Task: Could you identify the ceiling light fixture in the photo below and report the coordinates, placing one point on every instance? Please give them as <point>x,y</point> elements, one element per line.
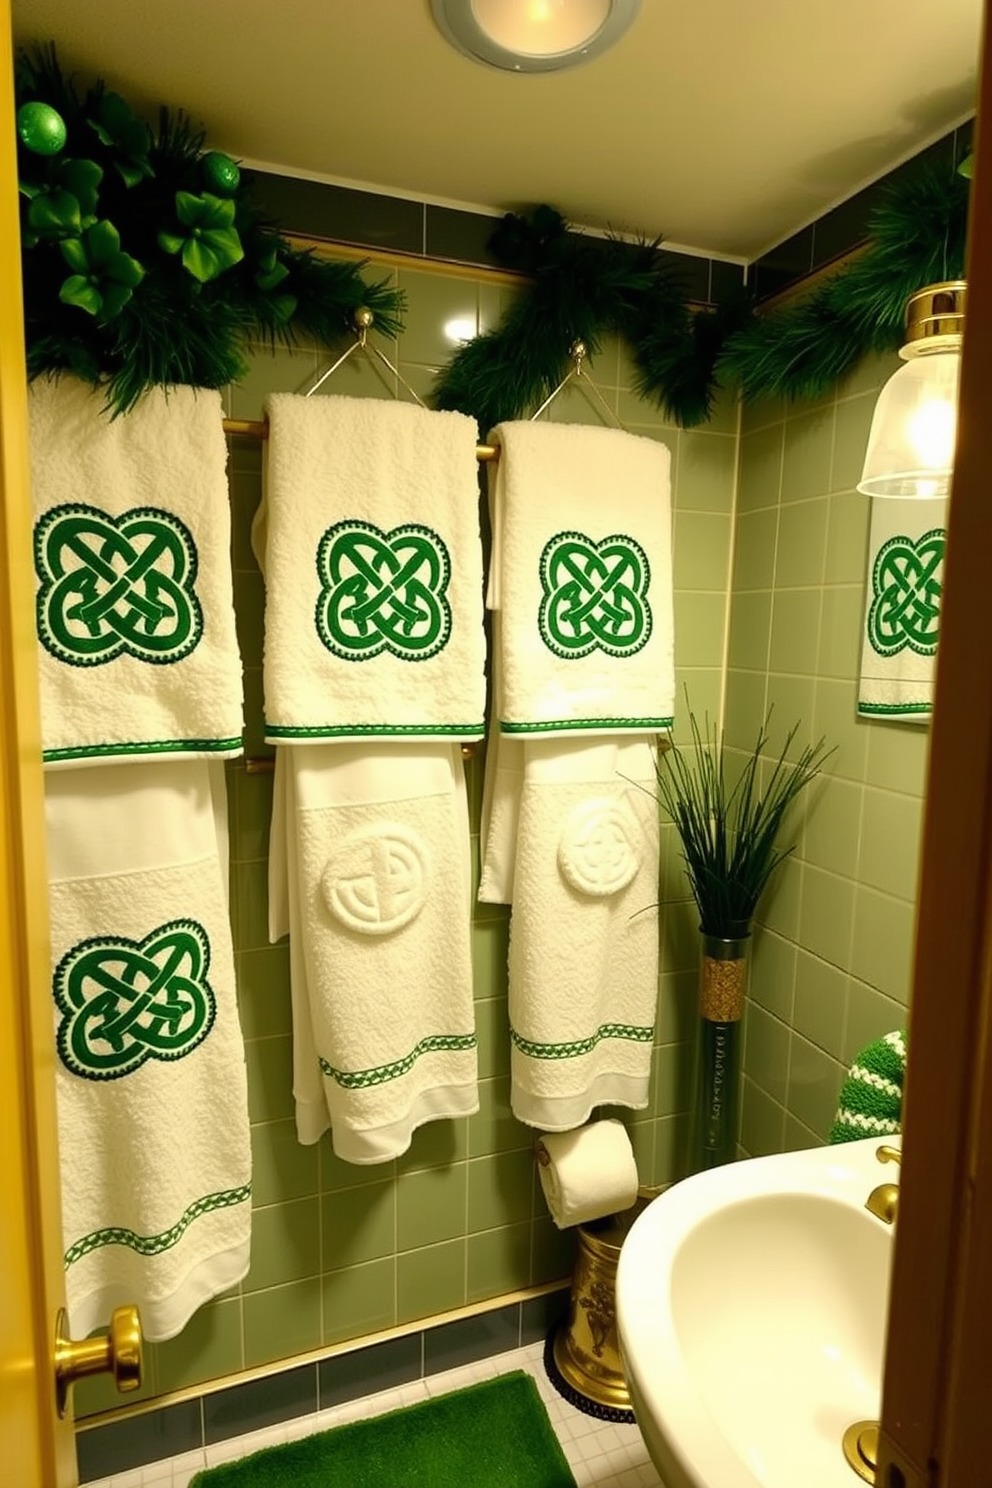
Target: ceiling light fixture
<point>533,35</point>
<point>914,428</point>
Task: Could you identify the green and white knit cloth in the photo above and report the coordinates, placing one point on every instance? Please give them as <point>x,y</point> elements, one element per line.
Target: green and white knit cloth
<point>870,1103</point>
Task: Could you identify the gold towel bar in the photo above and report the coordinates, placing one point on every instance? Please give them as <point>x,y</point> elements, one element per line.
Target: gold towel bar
<point>259,429</point>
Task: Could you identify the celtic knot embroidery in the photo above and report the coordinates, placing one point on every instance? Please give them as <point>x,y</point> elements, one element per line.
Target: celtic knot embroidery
<point>125,1001</point>
<point>907,580</point>
<point>595,595</point>
<point>383,591</point>
<point>113,585</point>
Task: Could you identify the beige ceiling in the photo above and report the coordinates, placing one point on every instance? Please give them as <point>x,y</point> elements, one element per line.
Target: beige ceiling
<point>722,124</point>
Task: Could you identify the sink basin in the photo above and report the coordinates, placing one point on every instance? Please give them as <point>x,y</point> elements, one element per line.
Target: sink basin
<point>751,1306</point>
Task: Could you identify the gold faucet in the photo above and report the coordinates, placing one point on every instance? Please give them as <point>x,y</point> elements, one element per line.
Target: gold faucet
<point>883,1200</point>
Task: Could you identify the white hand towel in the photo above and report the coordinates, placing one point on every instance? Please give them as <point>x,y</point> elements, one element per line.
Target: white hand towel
<point>582,577</point>
<point>138,654</point>
<point>902,609</point>
<point>150,1077</point>
<point>368,537</point>
<point>583,963</point>
<point>587,1173</point>
<point>376,852</point>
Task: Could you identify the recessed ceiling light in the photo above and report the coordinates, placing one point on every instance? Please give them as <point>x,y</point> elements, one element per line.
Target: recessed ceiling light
<point>533,35</point>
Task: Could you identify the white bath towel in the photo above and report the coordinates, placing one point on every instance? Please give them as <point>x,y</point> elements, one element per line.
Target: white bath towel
<point>902,609</point>
<point>138,651</point>
<point>582,577</point>
<point>150,1075</point>
<point>372,843</point>
<point>368,537</point>
<point>583,963</point>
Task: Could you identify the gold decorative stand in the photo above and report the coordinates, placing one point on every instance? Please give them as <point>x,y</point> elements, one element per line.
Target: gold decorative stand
<point>583,1354</point>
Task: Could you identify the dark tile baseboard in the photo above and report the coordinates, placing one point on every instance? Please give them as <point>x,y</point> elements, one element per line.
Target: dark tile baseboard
<point>171,1430</point>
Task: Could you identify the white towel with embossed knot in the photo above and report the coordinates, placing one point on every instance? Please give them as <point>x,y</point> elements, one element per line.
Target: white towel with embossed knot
<point>368,537</point>
<point>150,1073</point>
<point>369,873</point>
<point>138,654</point>
<point>583,964</point>
<point>901,624</point>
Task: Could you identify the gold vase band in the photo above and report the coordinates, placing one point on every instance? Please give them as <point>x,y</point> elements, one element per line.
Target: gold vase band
<point>721,989</point>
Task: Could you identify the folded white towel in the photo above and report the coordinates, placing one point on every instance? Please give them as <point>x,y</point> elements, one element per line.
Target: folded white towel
<point>902,609</point>
<point>583,964</point>
<point>150,1079</point>
<point>139,654</point>
<point>373,841</point>
<point>587,1173</point>
<point>582,577</point>
<point>368,537</point>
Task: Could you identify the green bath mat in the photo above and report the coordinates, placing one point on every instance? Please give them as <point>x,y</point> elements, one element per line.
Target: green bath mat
<point>492,1435</point>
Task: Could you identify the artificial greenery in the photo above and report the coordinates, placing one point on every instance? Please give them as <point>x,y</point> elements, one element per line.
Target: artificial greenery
<point>144,260</point>
<point>582,288</point>
<point>145,264</point>
<point>585,287</point>
<point>916,237</point>
<point>729,832</point>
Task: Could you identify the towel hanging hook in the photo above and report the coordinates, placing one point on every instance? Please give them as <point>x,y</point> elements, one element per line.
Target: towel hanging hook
<point>364,320</point>
<point>578,352</point>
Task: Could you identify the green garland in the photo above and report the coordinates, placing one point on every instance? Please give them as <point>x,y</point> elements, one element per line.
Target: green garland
<point>582,287</point>
<point>144,262</point>
<point>916,237</point>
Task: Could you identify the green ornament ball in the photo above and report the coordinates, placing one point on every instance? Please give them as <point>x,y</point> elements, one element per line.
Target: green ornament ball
<point>41,128</point>
<point>220,173</point>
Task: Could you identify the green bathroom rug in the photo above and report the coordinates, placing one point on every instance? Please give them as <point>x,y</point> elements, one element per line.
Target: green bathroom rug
<point>492,1435</point>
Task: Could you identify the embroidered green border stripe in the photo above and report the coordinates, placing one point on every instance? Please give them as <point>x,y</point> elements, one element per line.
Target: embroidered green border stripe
<point>360,1079</point>
<point>884,708</point>
<point>142,746</point>
<point>573,1050</point>
<point>275,731</point>
<point>560,725</point>
<point>149,1245</point>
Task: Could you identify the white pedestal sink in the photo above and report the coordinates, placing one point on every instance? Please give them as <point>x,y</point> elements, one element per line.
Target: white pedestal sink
<point>751,1307</point>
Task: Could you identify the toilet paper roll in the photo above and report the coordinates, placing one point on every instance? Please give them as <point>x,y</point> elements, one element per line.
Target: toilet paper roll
<point>588,1172</point>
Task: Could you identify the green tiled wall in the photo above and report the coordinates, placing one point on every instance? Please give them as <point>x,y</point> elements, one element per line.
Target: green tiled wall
<point>340,1252</point>
<point>832,958</point>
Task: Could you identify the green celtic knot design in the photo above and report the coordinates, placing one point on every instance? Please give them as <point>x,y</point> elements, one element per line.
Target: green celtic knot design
<point>125,1001</point>
<point>595,595</point>
<point>907,580</point>
<point>383,591</point>
<point>634,1032</point>
<point>113,585</point>
<point>150,1245</point>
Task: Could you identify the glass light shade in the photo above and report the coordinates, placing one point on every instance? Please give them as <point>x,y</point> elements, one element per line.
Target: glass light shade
<point>911,445</point>
<point>533,35</point>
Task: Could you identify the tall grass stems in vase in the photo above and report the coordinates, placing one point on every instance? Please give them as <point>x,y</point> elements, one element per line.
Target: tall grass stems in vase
<point>730,824</point>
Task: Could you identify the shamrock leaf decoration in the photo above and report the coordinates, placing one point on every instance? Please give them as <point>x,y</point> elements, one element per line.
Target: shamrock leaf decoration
<point>211,243</point>
<point>124,133</point>
<point>65,206</point>
<point>269,275</point>
<point>104,278</point>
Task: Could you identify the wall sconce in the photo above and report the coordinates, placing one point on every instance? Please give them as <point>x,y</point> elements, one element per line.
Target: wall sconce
<point>533,35</point>
<point>910,451</point>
